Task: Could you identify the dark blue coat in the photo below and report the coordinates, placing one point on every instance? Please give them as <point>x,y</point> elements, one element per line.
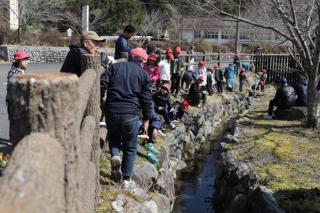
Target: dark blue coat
<point>72,63</point>
<point>128,89</point>
<point>121,46</point>
<point>301,90</point>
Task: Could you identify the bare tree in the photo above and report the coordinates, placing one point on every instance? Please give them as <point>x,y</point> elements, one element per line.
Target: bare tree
<point>35,11</point>
<point>296,21</point>
<point>153,21</point>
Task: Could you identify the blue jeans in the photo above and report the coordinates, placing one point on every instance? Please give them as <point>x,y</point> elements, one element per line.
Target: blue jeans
<point>122,135</point>
<point>165,113</point>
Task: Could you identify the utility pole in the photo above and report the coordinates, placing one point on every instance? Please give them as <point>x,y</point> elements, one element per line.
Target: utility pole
<point>237,33</point>
<point>85,18</point>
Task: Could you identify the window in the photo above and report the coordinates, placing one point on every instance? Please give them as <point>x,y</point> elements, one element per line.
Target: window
<point>197,34</point>
<point>244,36</point>
<point>225,35</point>
<point>211,35</point>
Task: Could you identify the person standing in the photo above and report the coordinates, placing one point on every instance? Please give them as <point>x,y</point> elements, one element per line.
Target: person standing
<point>202,71</point>
<point>242,78</point>
<point>230,76</point>
<point>218,76</point>
<point>122,47</point>
<point>177,68</point>
<point>19,66</point>
<point>164,65</point>
<point>128,89</point>
<point>89,44</point>
<point>153,70</point>
<point>237,62</point>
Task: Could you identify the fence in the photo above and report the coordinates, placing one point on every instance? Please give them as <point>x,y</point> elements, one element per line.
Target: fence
<point>278,65</point>
<point>54,125</point>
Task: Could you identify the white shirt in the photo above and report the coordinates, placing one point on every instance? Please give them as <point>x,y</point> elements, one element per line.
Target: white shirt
<point>164,70</point>
<point>203,71</point>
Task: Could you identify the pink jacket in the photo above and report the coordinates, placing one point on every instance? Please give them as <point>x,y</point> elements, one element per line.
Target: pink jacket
<point>153,72</point>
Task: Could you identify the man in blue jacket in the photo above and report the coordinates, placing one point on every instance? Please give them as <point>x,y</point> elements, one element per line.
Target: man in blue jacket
<point>122,46</point>
<point>128,89</point>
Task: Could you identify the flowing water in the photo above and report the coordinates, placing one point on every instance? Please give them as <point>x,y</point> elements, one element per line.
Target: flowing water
<point>195,184</point>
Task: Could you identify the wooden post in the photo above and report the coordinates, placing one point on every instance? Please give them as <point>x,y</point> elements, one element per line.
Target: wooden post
<point>48,103</point>
<point>93,109</point>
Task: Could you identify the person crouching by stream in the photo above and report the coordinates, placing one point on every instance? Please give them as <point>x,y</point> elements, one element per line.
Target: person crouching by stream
<point>163,104</point>
<point>285,97</point>
<point>128,89</point>
<point>197,93</point>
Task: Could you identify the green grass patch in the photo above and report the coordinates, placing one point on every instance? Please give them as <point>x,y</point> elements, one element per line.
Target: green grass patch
<point>285,155</point>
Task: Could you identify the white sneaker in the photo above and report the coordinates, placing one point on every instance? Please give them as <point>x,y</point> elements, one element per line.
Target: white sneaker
<point>116,174</point>
<point>128,184</point>
<point>172,126</point>
<point>103,124</point>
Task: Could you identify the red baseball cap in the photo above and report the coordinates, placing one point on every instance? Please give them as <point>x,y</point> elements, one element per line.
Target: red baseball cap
<point>202,63</point>
<point>201,78</point>
<point>153,56</point>
<point>177,49</point>
<point>170,56</point>
<point>18,55</point>
<point>139,52</point>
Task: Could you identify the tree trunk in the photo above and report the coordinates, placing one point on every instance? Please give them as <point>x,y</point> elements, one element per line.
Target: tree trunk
<point>313,103</point>
<point>47,103</point>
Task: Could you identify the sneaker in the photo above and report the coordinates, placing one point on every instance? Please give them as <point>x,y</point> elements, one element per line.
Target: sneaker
<point>151,148</point>
<point>116,174</point>
<point>128,184</point>
<point>152,158</point>
<point>172,126</point>
<point>103,125</point>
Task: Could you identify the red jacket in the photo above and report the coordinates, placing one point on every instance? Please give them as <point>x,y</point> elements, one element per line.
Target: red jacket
<point>153,72</point>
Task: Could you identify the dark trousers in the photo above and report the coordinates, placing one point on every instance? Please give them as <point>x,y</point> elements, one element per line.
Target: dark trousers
<point>210,86</point>
<point>122,135</point>
<point>165,113</point>
<point>220,86</point>
<point>196,98</point>
<point>175,83</point>
<point>241,83</point>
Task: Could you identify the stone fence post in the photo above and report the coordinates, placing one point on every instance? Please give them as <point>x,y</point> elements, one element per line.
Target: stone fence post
<point>47,103</point>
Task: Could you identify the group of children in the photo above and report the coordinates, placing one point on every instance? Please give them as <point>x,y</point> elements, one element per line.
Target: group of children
<point>168,75</point>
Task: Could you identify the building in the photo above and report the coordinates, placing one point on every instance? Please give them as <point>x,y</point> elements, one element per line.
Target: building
<point>216,31</point>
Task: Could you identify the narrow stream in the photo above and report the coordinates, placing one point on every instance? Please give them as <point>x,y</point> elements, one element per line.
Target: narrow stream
<point>195,184</point>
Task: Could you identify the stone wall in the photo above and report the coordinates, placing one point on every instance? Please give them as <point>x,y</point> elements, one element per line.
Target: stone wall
<point>40,54</point>
<point>237,191</point>
<point>179,145</point>
<point>36,54</point>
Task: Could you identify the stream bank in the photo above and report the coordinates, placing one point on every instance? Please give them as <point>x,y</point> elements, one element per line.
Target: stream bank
<point>155,190</point>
